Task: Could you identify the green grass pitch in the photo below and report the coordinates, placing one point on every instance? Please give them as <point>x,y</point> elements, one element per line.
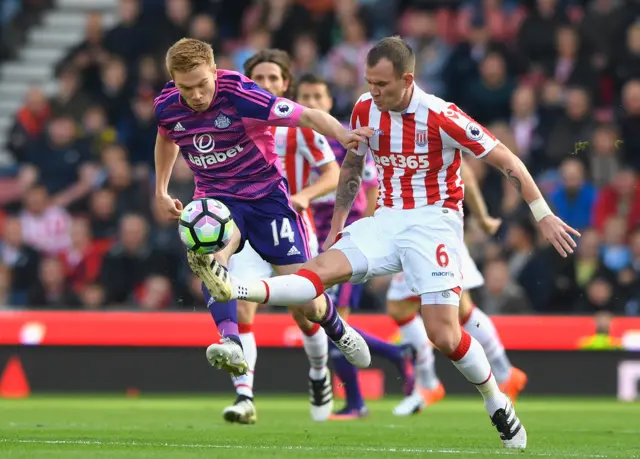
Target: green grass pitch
<point>84,427</point>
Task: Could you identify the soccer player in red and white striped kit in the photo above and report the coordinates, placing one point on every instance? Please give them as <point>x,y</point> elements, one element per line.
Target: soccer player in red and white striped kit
<point>418,142</point>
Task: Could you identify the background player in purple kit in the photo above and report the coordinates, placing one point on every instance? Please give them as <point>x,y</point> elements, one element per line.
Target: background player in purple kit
<point>219,120</point>
<point>314,92</point>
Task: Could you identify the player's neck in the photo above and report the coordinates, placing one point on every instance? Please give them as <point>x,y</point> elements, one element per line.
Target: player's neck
<point>406,101</point>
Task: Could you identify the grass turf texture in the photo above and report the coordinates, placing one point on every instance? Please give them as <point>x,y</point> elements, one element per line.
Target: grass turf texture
<point>189,427</point>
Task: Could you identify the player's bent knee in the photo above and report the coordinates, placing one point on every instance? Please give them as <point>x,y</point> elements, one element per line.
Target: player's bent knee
<point>445,335</point>
<point>298,314</point>
<point>332,267</point>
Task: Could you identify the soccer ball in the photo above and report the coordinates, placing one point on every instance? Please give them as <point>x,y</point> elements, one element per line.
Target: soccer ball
<point>206,226</point>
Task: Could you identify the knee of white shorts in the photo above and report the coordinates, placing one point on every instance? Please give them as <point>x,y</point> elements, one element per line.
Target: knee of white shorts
<point>357,259</point>
<point>444,298</point>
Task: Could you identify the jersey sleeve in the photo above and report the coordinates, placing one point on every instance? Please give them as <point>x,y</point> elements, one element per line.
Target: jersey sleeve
<point>158,106</point>
<point>314,147</point>
<point>463,132</point>
<point>354,123</point>
<point>262,107</point>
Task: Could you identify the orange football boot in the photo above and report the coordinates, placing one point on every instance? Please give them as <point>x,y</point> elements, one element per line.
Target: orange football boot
<point>515,384</point>
<point>434,395</point>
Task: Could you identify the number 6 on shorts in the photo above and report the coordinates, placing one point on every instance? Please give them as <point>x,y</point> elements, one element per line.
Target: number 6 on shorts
<point>442,256</point>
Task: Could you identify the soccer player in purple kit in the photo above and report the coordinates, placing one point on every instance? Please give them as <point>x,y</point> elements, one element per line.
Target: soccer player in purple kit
<point>219,119</point>
<point>314,92</point>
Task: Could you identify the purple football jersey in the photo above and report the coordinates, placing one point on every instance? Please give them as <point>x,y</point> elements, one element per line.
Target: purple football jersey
<point>323,206</point>
<point>228,147</point>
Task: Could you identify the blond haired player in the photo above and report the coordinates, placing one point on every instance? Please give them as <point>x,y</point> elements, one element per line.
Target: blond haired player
<point>403,306</point>
<point>220,121</point>
<point>301,151</point>
<point>417,144</point>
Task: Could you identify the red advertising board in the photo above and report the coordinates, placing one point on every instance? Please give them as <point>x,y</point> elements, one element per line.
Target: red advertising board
<point>57,328</point>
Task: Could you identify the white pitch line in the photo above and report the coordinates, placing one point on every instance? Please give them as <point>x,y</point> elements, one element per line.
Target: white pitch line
<point>354,449</point>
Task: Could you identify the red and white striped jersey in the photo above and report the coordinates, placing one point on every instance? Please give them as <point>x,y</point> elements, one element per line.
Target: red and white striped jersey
<point>301,150</point>
<point>418,151</point>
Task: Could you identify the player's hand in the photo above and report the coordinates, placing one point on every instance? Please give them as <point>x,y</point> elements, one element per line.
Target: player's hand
<point>351,139</point>
<point>168,207</point>
<point>331,239</point>
<point>490,225</point>
<point>300,202</point>
<point>558,233</point>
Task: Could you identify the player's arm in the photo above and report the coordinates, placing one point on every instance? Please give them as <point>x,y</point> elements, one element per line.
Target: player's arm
<point>474,199</point>
<point>316,151</point>
<point>348,188</point>
<point>325,183</point>
<point>370,185</point>
<point>165,154</point>
<point>464,133</point>
<point>328,126</point>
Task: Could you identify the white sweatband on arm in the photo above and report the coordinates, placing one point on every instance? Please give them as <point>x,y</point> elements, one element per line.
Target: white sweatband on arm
<point>540,209</point>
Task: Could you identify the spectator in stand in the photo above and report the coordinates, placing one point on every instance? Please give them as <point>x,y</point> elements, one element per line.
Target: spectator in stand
<point>500,294</point>
<point>598,28</point>
<point>132,196</point>
<point>96,132</point>
<point>89,56</point>
<point>129,39</point>
<point>570,66</point>
<point>305,58</point>
<point>573,200</point>
<point>576,273</point>
<point>114,90</point>
<point>627,66</point>
<point>82,260</point>
<point>257,40</point>
<point>629,278</point>
<point>175,24</point>
<point>149,76</point>
<point>352,50</point>
<point>532,269</point>
<point>50,291</point>
<point>602,155</point>
<point>138,130</point>
<point>62,162</point>
<point>630,124</point>
<point>503,18</point>
<point>102,212</point>
<point>615,252</point>
<point>488,99</point>
<point>131,260</point>
<point>526,127</point>
<point>20,258</point>
<point>600,297</point>
<point>45,226</point>
<point>70,99</point>
<point>29,123</point>
<point>91,297</point>
<point>432,52</point>
<point>203,27</point>
<point>154,294</point>
<point>574,127</point>
<point>181,185</point>
<point>536,37</point>
<point>621,198</point>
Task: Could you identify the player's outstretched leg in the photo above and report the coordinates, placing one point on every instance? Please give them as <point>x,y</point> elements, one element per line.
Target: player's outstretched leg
<point>511,380</point>
<point>226,354</point>
<point>443,328</point>
<point>304,288</point>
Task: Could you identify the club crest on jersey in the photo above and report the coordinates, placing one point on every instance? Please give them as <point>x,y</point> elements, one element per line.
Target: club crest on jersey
<point>474,132</point>
<point>204,143</point>
<point>283,109</point>
<point>222,122</point>
<point>421,137</point>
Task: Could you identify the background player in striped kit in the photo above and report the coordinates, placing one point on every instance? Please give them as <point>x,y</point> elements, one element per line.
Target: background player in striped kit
<point>300,151</point>
<point>404,306</point>
<point>313,92</point>
<point>220,121</point>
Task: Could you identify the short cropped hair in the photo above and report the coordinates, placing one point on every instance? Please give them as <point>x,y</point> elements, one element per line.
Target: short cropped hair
<point>312,78</point>
<point>395,50</point>
<point>187,54</point>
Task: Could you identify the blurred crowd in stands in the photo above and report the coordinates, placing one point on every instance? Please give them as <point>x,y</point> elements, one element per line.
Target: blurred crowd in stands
<point>557,81</point>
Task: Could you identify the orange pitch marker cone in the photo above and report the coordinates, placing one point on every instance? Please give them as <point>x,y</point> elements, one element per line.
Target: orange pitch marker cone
<point>13,382</point>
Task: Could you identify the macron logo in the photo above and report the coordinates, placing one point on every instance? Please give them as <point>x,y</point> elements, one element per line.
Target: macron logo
<point>293,251</point>
<point>178,127</point>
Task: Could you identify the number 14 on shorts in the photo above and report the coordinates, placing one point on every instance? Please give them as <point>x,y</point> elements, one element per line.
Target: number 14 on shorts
<point>284,232</point>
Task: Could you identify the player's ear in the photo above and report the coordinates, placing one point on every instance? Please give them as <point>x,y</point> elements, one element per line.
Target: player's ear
<point>408,78</point>
<point>286,84</point>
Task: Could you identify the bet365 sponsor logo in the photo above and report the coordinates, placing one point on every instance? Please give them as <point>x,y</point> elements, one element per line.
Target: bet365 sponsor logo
<point>402,161</point>
<point>214,158</point>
